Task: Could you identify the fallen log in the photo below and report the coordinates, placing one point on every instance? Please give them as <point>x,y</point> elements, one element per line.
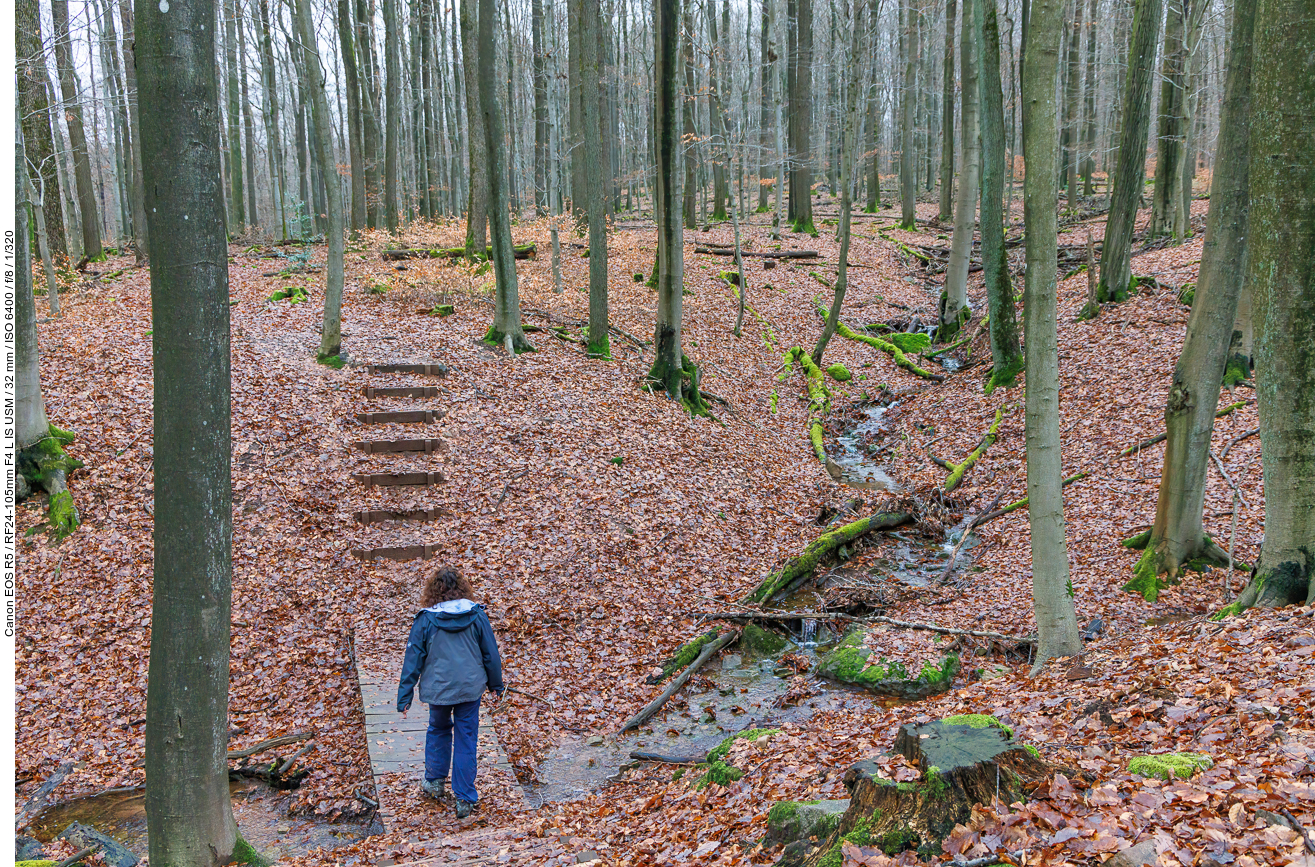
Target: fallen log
<point>280,741</point>
<point>656,704</point>
<point>521,251</point>
<point>37,802</point>
<point>886,346</point>
<point>668,760</point>
<point>957,470</point>
<point>778,616</point>
<point>715,250</point>
<point>801,567</point>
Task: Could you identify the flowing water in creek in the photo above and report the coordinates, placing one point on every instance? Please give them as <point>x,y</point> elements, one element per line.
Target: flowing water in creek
<point>857,468</point>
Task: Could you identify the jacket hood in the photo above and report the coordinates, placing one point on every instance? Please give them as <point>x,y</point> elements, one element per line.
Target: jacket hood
<point>453,615</point>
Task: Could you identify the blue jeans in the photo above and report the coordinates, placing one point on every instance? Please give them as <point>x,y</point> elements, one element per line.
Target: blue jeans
<point>440,754</point>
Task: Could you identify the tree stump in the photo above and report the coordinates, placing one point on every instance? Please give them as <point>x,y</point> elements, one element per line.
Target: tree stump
<point>965,761</point>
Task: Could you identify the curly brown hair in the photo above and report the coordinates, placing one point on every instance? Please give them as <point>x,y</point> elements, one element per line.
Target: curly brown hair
<point>445,585</point>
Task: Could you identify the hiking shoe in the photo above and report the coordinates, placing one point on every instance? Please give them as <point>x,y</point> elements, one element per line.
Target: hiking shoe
<point>436,789</point>
<point>464,808</point>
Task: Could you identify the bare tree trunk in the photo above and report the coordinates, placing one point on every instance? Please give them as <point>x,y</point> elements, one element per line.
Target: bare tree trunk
<point>688,204</point>
<point>43,245</point>
<point>369,113</point>
<point>188,814</point>
<point>1281,274</point>
<point>1056,620</point>
<point>541,205</point>
<point>30,424</point>
<point>907,181</point>
<point>352,84</point>
<point>1089,110</point>
<point>1130,165</point>
<point>716,88</point>
<point>237,209</point>
<point>68,83</point>
<point>947,117</point>
<point>393,107</point>
<point>781,71</point>
<point>277,174</point>
<point>477,214</point>
<point>766,60</point>
<point>954,303</point>
<point>591,104</point>
<point>506,329</point>
<point>1168,161</point>
<point>248,132</point>
<point>35,118</point>
<point>801,116</point>
<point>1006,355</point>
<point>1073,76</point>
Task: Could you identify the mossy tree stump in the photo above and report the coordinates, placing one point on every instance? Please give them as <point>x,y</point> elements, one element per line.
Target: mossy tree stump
<point>963,764</point>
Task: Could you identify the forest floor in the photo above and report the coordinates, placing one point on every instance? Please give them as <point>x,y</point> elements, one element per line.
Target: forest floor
<point>596,519</point>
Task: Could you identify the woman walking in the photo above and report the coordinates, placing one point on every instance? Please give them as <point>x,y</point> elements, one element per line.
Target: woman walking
<point>453,657</point>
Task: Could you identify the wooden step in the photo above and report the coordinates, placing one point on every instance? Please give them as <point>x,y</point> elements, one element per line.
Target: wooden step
<point>392,480</point>
<point>378,447</point>
<point>378,516</point>
<point>422,369</point>
<point>405,416</point>
<point>402,391</point>
<point>410,552</point>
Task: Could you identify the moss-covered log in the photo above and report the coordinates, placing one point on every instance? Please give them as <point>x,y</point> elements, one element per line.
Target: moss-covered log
<point>45,466</point>
<point>1018,504</point>
<point>988,439</point>
<point>522,251</point>
<point>800,568</point>
<point>891,349</point>
<point>684,655</point>
<point>964,763</point>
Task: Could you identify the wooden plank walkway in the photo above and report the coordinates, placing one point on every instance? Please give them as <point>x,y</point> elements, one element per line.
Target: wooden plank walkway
<point>397,744</point>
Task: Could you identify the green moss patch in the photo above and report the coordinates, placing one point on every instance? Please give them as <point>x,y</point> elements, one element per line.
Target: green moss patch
<point>245,853</point>
<point>683,656</point>
<point>716,770</point>
<point>762,641</point>
<point>977,721</point>
<point>911,342</point>
<point>291,294</point>
<point>1170,765</point>
<point>839,372</point>
<point>848,663</point>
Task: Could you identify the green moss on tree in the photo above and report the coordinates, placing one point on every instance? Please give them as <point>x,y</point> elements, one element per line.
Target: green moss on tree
<point>860,835</point>
<point>1146,581</point>
<point>245,853</point>
<point>684,655</point>
<point>63,515</point>
<point>336,360</point>
<point>1170,765</point>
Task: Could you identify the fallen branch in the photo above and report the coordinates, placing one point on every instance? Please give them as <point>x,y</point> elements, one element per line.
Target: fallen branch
<point>801,567</point>
<point>1237,439</point>
<point>957,470</point>
<point>763,254</point>
<point>668,760</point>
<point>1004,510</point>
<point>1159,438</point>
<point>1219,465</point>
<point>777,616</point>
<point>35,803</point>
<point>1300,829</point>
<point>656,704</point>
<point>551,706</point>
<point>78,856</point>
<point>280,741</point>
<point>945,630</point>
<point>521,251</point>
<point>287,766</point>
<point>886,346</point>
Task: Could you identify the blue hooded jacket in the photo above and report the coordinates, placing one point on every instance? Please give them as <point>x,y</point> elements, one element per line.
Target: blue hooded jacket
<point>451,654</point>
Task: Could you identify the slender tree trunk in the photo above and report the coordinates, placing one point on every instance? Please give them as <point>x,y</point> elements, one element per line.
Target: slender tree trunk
<point>1169,154</point>
<point>781,71</point>
<point>237,209</point>
<point>874,152</point>
<point>352,84</point>
<point>849,145</point>
<point>1089,108</point>
<point>1006,355</point>
<point>541,168</point>
<point>277,175</point>
<point>716,88</point>
<point>954,305</point>
<point>1072,90</point>
<point>801,116</point>
<point>688,203</point>
<point>188,815</point>
<point>30,424</point>
<point>1056,620</point>
<point>35,119</point>
<point>477,214</point>
<point>248,131</point>
<point>506,329</point>
<point>393,107</point>
<point>766,60</point>
<point>947,116</point>
<point>1242,345</point>
<point>907,180</point>
<point>1189,415</point>
<point>370,132</point>
<point>43,246</point>
<point>1130,165</point>
<point>68,83</point>
<point>591,104</point>
<point>1281,274</point>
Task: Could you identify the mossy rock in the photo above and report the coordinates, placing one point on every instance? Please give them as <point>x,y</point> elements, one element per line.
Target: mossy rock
<point>848,663</point>
<point>443,310</point>
<point>839,372</point>
<point>762,641</point>
<point>716,770</point>
<point>789,821</point>
<point>910,342</point>
<point>1170,765</point>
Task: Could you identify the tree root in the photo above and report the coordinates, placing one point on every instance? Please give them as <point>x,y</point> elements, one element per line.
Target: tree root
<point>802,567</point>
<point>45,465</point>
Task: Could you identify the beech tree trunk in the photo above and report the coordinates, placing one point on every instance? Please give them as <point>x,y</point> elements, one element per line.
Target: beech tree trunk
<point>945,214</point>
<point>68,85</point>
<point>1169,138</point>
<point>907,182</point>
<point>1189,415</point>
<point>237,209</point>
<point>716,88</point>
<point>1006,355</point>
<point>1073,78</point>
<point>277,174</point>
<point>34,118</point>
<point>1281,274</point>
<point>506,329</point>
<point>591,70</point>
<point>688,203</point>
<point>1089,106</point>
<point>393,109</point>
<point>541,168</point>
<point>1130,164</point>
<point>352,84</point>
<point>188,814</point>
<point>801,115</point>
<point>1056,620</point>
<point>766,55</point>
<point>477,213</point>
<point>248,133</point>
<point>954,304</point>
<point>370,112</point>
<point>30,422</point>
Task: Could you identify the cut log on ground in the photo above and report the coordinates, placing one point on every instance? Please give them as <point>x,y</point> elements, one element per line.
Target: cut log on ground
<point>761,254</point>
<point>656,704</point>
<point>965,761</point>
<point>802,567</point>
<point>522,251</point>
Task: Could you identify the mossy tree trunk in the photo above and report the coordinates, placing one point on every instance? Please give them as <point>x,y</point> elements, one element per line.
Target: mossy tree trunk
<point>849,146</point>
<point>1057,625</point>
<point>331,323</point>
<point>1281,274</point>
<point>954,305</point>
<point>188,813</point>
<point>591,71</point>
<point>1189,415</point>
<point>1006,354</point>
<point>1130,164</point>
<point>506,328</point>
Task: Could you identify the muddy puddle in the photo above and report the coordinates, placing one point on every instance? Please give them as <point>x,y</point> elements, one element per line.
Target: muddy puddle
<point>261,814</point>
<point>736,692</point>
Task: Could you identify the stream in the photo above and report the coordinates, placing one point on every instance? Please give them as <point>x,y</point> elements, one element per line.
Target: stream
<point>857,469</point>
